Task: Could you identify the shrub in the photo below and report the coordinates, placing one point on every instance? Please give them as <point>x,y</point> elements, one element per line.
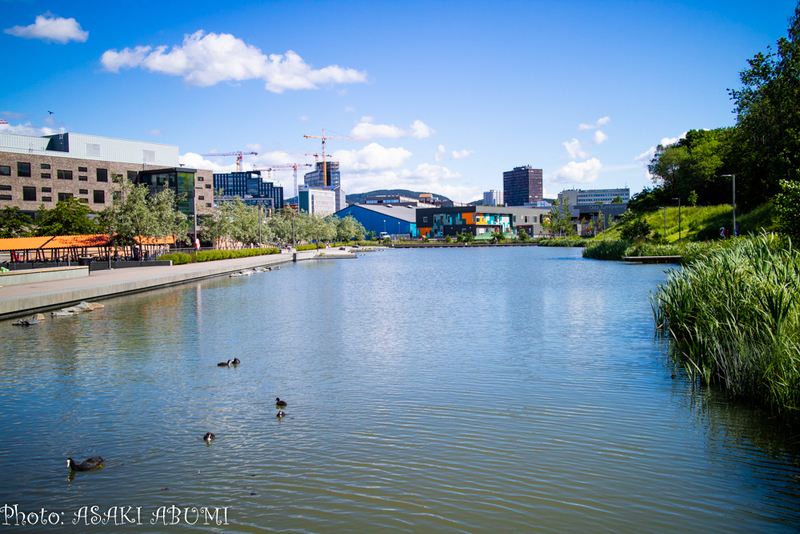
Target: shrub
<point>610,249</point>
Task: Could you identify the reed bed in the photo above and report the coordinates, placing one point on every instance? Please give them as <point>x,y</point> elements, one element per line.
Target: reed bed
<point>734,318</point>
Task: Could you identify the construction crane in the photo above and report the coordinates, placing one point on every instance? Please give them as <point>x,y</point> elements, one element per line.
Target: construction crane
<point>316,158</point>
<point>239,155</point>
<point>324,161</point>
<point>286,167</point>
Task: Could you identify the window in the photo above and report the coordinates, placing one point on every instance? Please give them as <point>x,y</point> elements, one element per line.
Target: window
<point>102,175</point>
<point>23,169</point>
<point>45,165</point>
<point>201,197</point>
<point>83,191</point>
<point>83,178</point>
<point>29,194</point>
<point>5,188</point>
<point>46,175</point>
<point>199,178</point>
<point>83,169</point>
<point>64,175</point>
<point>99,196</point>
<point>5,197</point>
<point>132,176</point>
<point>83,200</point>
<point>46,190</point>
<point>208,204</point>
<point>47,199</point>
<point>5,170</point>
<point>208,186</point>
<point>64,196</point>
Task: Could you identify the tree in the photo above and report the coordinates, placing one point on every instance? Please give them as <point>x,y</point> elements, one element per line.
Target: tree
<point>692,198</point>
<point>318,228</point>
<point>787,207</point>
<point>617,200</point>
<point>135,212</point>
<point>768,118</point>
<point>349,228</point>
<point>280,225</point>
<point>498,237</point>
<point>523,235</point>
<point>68,217</point>
<point>559,221</point>
<point>14,223</point>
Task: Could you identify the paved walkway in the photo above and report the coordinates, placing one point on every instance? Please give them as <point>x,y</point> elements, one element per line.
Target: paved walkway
<point>25,299</point>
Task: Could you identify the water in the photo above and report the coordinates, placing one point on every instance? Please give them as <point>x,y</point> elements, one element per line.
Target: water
<point>449,390</point>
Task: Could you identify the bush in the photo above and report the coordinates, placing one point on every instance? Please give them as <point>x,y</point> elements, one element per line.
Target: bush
<point>178,258</point>
<point>562,242</point>
<point>734,316</point>
<point>610,249</point>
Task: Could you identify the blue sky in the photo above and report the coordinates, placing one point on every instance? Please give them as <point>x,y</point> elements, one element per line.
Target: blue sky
<point>448,94</point>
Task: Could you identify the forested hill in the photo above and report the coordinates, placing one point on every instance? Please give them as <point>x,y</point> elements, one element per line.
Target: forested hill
<point>358,198</point>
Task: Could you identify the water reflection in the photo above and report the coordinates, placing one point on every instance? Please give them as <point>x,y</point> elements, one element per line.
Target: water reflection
<point>456,390</point>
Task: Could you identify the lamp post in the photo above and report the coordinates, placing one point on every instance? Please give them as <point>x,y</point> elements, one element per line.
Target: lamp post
<point>733,176</point>
<point>679,217</point>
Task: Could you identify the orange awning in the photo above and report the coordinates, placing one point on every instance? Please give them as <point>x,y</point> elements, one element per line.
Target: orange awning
<point>24,243</point>
<point>78,241</point>
<point>169,240</point>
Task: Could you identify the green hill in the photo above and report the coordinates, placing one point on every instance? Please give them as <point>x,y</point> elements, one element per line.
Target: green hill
<point>702,223</point>
<point>358,198</point>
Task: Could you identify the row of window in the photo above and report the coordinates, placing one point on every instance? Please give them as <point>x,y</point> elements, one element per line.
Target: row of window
<point>29,194</point>
<point>24,170</point>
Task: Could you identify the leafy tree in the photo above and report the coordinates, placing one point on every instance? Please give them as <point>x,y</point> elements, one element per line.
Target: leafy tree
<point>617,200</point>
<point>634,228</point>
<point>498,237</point>
<point>136,213</point>
<point>280,225</point>
<point>523,235</point>
<point>349,228</point>
<point>768,108</point>
<point>787,207</point>
<point>559,222</point>
<point>68,217</point>
<point>692,198</point>
<point>448,239</point>
<point>317,227</point>
<point>465,237</point>
<point>219,223</point>
<point>14,223</point>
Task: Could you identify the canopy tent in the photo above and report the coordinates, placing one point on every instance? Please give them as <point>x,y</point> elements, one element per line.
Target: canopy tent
<point>68,247</point>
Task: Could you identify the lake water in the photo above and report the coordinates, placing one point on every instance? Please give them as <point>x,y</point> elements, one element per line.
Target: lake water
<point>447,390</point>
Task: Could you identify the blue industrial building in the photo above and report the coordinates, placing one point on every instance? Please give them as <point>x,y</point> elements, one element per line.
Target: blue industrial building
<point>383,218</point>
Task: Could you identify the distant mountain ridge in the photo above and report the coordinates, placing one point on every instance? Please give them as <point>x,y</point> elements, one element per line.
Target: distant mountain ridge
<point>359,198</point>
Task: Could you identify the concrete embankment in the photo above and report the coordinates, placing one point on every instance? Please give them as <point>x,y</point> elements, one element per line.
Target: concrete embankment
<point>25,299</point>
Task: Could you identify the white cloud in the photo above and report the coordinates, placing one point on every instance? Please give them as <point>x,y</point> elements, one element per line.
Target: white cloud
<point>49,28</point>
<point>366,129</point>
<point>599,137</point>
<point>156,132</point>
<point>304,117</point>
<point>600,122</point>
<point>439,156</point>
<point>26,129</point>
<point>370,158</point>
<point>196,161</point>
<point>579,172</point>
<point>208,59</point>
<point>645,157</point>
<point>461,154</point>
<point>574,149</point>
<point>349,109</point>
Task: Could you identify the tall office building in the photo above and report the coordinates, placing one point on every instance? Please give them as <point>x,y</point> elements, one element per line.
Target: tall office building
<point>316,177</point>
<point>250,187</point>
<point>522,186</point>
<point>493,198</point>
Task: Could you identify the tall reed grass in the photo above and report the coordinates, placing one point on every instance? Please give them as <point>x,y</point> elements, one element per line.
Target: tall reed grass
<point>734,318</point>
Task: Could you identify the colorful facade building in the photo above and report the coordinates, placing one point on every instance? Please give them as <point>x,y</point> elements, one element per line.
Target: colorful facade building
<point>479,220</point>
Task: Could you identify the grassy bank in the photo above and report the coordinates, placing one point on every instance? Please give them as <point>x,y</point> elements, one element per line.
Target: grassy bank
<point>616,249</point>
<point>734,318</point>
<point>702,222</point>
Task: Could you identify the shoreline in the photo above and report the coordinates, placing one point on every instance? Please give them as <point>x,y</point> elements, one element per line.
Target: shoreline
<point>37,297</point>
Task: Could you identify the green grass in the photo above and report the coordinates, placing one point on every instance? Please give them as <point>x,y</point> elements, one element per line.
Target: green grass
<point>703,222</point>
<point>562,242</point>
<point>734,318</point>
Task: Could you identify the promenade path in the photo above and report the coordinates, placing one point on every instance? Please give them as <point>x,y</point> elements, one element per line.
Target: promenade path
<point>26,299</point>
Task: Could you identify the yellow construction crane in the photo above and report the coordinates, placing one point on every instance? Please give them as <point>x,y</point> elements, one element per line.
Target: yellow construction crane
<point>324,161</point>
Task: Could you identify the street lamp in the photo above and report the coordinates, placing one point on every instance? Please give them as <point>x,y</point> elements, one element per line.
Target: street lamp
<point>679,217</point>
<point>733,176</point>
